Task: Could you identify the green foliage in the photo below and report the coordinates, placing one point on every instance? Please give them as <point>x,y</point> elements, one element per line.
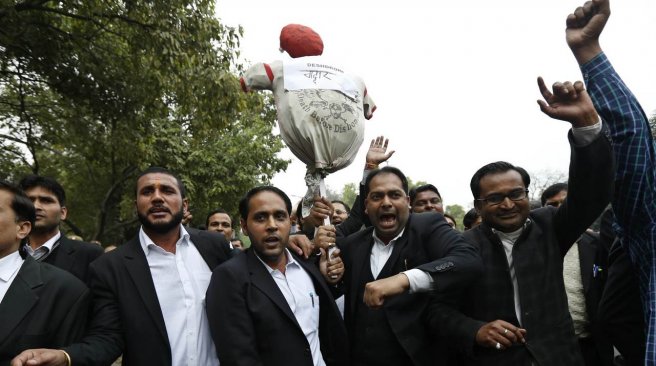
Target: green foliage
<point>349,193</point>
<point>458,213</point>
<point>652,124</point>
<point>92,92</point>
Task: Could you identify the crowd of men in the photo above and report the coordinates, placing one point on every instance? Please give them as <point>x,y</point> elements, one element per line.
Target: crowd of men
<point>389,282</point>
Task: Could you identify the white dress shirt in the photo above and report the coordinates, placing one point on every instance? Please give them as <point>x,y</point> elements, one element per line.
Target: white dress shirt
<point>297,287</point>
<point>9,266</point>
<point>420,281</point>
<point>45,249</point>
<point>181,280</point>
<point>508,240</point>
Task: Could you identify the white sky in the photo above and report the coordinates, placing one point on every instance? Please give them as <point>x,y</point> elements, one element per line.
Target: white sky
<point>454,82</point>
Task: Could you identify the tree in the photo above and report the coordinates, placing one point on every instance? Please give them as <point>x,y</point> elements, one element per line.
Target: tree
<point>349,193</point>
<point>652,124</point>
<point>542,179</point>
<point>92,92</point>
<point>458,213</point>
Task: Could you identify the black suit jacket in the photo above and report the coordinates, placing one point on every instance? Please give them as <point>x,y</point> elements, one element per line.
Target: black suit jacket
<point>45,307</point>
<point>74,256</point>
<point>428,243</point>
<point>252,324</point>
<point>538,262</point>
<point>593,260</point>
<point>126,314</point>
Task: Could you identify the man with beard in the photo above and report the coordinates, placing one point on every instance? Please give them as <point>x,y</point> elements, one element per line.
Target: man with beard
<point>46,243</point>
<point>149,294</point>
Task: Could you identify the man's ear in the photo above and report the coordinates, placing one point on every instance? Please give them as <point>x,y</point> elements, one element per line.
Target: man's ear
<point>185,204</point>
<point>477,206</point>
<point>366,200</point>
<point>244,227</point>
<point>24,228</point>
<point>63,213</point>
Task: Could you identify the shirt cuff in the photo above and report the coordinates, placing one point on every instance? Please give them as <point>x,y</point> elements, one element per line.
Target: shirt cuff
<point>420,281</point>
<point>585,135</point>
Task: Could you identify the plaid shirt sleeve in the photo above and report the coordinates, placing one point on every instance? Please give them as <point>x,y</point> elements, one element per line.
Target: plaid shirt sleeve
<point>634,201</point>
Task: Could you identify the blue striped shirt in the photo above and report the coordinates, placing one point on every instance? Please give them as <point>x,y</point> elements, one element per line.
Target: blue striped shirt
<point>634,200</point>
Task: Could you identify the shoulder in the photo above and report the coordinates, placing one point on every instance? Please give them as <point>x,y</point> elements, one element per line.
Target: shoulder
<point>543,216</point>
<point>82,246</point>
<point>235,264</point>
<point>60,280</point>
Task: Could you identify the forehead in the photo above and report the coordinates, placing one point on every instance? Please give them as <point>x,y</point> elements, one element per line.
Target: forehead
<point>219,216</point>
<point>39,191</point>
<point>426,195</point>
<point>5,200</point>
<point>558,196</point>
<point>339,206</point>
<point>385,182</point>
<point>266,201</point>
<point>501,182</point>
<point>156,179</point>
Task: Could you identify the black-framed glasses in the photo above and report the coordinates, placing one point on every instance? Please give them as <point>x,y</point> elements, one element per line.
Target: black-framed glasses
<point>497,198</point>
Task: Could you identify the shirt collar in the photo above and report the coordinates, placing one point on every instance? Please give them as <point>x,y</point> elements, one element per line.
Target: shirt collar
<point>377,239</point>
<point>147,243</point>
<point>290,261</point>
<point>51,242</point>
<point>9,265</point>
<point>513,235</point>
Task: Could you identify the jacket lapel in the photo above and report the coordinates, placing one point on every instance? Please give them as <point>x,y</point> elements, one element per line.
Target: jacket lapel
<point>586,260</point>
<point>361,253</point>
<point>65,257</point>
<point>387,269</point>
<point>20,297</point>
<point>204,248</point>
<point>261,279</point>
<point>139,270</point>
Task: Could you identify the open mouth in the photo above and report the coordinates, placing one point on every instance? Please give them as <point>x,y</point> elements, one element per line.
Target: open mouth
<point>387,220</point>
<point>271,240</point>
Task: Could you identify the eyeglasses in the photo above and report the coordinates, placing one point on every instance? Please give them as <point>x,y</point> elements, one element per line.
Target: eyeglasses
<point>497,198</point>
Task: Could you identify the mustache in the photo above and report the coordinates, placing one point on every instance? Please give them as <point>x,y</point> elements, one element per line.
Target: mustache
<point>159,209</point>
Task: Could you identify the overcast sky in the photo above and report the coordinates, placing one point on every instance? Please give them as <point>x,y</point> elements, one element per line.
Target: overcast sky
<point>454,82</point>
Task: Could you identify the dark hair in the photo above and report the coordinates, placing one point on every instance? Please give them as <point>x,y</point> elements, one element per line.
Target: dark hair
<point>389,170</point>
<point>48,183</point>
<point>495,168</point>
<point>451,217</point>
<point>157,169</point>
<point>245,201</point>
<point>551,191</point>
<point>21,205</point>
<point>299,212</point>
<point>470,218</point>
<point>426,187</point>
<point>213,212</point>
<point>348,209</point>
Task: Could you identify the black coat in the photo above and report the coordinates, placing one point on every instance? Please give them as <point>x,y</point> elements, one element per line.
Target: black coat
<point>74,256</point>
<point>252,324</point>
<point>126,315</point>
<point>428,243</point>
<point>44,307</point>
<point>538,261</point>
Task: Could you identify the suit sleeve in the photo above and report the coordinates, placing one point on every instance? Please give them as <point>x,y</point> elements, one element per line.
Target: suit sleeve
<point>457,329</point>
<point>590,187</point>
<point>231,325</point>
<point>103,343</point>
<point>455,262</point>
<point>74,324</point>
